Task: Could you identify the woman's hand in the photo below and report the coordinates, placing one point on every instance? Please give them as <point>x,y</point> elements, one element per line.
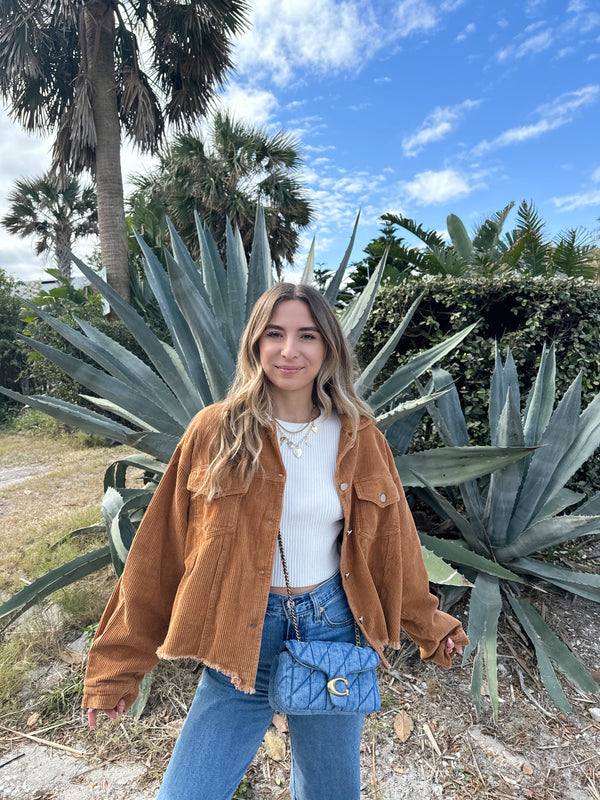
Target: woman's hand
<point>452,648</point>
<point>113,713</point>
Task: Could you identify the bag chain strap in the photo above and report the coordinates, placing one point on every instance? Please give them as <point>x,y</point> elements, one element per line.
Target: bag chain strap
<point>289,594</point>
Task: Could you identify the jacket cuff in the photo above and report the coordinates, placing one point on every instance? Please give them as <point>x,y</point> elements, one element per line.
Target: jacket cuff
<point>439,655</point>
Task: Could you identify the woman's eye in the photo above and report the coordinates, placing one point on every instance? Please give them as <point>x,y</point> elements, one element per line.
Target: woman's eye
<point>273,334</point>
<point>309,336</point>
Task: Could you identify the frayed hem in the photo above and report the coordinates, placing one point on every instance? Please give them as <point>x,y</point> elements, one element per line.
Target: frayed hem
<point>235,678</point>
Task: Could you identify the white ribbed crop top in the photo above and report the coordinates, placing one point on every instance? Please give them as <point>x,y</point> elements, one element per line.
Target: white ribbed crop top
<point>312,515</point>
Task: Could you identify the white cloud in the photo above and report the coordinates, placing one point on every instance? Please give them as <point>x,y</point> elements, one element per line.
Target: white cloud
<point>532,45</point>
<point>596,176</point>
<point>576,7</point>
<point>551,116</point>
<point>435,126</point>
<point>572,201</point>
<point>429,187</point>
<point>321,36</point>
<point>414,15</point>
<point>248,104</point>
<point>467,32</point>
<point>383,80</point>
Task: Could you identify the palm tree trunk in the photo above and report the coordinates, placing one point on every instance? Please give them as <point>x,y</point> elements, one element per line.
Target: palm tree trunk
<point>62,250</point>
<point>99,33</point>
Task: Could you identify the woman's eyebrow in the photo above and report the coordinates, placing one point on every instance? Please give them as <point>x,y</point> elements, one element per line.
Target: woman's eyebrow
<point>281,328</point>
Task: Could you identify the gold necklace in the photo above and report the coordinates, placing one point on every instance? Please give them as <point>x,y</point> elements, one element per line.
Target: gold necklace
<point>295,445</point>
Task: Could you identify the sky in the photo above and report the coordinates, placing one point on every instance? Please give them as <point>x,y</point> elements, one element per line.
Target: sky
<point>418,107</point>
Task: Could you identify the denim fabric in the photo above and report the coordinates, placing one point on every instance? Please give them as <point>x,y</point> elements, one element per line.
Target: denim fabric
<point>224,727</point>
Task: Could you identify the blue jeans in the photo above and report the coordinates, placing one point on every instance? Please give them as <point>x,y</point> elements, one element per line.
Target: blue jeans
<point>225,727</point>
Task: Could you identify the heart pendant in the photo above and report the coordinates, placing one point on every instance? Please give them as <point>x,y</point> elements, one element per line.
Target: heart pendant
<point>297,451</point>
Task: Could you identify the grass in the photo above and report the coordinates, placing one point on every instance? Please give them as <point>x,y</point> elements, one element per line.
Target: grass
<point>59,489</point>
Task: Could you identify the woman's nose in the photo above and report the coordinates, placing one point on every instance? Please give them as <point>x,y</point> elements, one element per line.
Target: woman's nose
<point>288,349</point>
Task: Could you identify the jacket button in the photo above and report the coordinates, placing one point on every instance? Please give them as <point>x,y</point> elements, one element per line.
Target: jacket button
<point>343,486</point>
<point>269,522</point>
<point>349,532</point>
<point>346,575</point>
<point>253,624</point>
<point>383,498</point>
<point>261,572</point>
<point>360,619</point>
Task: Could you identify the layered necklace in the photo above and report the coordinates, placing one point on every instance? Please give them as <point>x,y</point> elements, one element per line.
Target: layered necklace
<point>296,444</point>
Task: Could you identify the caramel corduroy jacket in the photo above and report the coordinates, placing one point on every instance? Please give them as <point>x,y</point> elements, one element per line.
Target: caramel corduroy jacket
<point>197,578</point>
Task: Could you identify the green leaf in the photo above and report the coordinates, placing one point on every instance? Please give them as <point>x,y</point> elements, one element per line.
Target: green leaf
<point>549,648</point>
<point>548,532</point>
<point>121,394</point>
<point>405,374</point>
<point>333,289</point>
<point>116,473</point>
<point>484,610</point>
<point>449,466</point>
<point>260,271</point>
<point>356,313</point>
<point>457,554</point>
<point>540,401</point>
<point>55,579</point>
<point>388,418</point>
<point>147,340</point>
<point>440,572</point>
<point>308,273</point>
<point>461,240</point>
<point>365,382</point>
<point>198,394</point>
<point>237,277</point>
<point>143,694</point>
<point>584,584</point>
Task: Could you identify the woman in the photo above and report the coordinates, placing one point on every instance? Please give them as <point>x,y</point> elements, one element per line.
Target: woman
<point>292,448</point>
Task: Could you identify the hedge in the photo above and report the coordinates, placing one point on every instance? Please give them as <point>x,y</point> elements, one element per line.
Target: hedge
<point>518,312</point>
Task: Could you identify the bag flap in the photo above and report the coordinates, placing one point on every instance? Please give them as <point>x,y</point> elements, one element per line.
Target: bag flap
<point>335,659</point>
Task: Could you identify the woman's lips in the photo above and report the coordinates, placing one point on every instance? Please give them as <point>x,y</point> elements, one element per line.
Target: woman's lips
<point>289,370</point>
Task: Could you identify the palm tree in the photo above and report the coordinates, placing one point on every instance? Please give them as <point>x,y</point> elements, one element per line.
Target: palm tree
<point>523,250</point>
<point>74,69</point>
<point>55,214</point>
<point>223,176</point>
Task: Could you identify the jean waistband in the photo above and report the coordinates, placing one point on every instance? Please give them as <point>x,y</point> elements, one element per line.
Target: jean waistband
<point>307,601</point>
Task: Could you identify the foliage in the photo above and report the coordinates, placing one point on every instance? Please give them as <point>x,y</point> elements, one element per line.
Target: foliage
<point>508,520</point>
<point>224,176</point>
<point>489,253</point>
<point>399,264</point>
<point>76,70</point>
<point>13,354</point>
<point>518,312</point>
<point>56,213</point>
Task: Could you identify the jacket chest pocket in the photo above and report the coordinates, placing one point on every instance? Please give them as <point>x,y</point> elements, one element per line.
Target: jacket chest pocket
<point>376,505</point>
<point>218,516</point>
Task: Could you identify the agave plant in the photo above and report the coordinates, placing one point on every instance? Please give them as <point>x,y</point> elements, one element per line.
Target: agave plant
<point>205,310</point>
<point>510,519</point>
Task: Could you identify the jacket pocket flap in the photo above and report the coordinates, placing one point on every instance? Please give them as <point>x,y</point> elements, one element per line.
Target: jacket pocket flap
<point>197,477</point>
<point>378,489</point>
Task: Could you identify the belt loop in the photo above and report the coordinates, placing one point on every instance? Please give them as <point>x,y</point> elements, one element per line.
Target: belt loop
<point>316,606</point>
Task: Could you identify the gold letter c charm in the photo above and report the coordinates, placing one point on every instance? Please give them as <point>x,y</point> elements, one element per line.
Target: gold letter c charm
<point>331,688</point>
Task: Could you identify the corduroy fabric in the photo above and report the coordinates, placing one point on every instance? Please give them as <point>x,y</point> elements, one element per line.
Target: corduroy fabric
<point>197,578</point>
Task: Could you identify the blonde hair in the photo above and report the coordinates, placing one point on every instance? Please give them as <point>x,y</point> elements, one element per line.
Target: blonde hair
<point>247,409</point>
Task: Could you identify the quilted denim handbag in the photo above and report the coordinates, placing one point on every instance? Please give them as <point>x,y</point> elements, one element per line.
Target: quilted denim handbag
<point>323,677</point>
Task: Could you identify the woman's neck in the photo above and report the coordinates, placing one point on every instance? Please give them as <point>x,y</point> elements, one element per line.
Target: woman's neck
<point>291,410</point>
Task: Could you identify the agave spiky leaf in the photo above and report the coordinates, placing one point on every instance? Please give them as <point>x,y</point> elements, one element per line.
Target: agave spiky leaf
<point>515,515</point>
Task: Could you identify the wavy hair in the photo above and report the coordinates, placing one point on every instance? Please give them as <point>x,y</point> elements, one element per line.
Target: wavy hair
<point>247,410</point>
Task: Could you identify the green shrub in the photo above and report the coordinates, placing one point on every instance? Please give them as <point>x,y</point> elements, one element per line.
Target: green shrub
<point>519,313</point>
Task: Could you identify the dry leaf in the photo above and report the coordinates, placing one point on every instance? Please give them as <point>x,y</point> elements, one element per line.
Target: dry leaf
<point>275,746</point>
<point>70,656</point>
<point>173,728</point>
<point>280,722</point>
<point>33,720</point>
<point>527,769</point>
<point>403,725</point>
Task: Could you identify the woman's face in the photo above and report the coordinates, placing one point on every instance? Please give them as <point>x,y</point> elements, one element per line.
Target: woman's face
<point>291,351</point>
